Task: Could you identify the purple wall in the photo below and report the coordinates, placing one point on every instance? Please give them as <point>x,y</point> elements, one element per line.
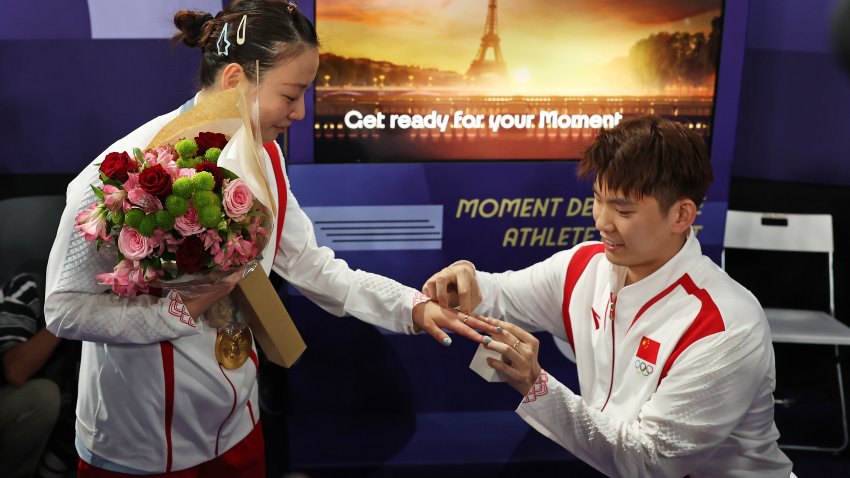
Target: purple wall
<point>793,120</point>
<point>63,96</point>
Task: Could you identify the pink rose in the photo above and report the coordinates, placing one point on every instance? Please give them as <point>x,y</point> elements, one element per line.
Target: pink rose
<point>188,224</point>
<point>133,245</point>
<point>237,199</point>
<point>91,223</point>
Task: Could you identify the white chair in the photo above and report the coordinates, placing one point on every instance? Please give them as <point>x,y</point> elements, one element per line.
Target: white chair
<point>795,233</point>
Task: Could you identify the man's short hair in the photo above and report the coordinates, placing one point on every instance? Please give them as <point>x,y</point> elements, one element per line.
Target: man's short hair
<point>650,156</point>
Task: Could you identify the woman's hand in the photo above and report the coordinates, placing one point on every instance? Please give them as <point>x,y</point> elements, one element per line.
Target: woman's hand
<point>433,318</point>
<point>519,366</point>
<point>200,298</point>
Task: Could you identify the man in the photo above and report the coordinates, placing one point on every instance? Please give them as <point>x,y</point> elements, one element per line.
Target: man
<point>29,406</point>
<point>674,358</point>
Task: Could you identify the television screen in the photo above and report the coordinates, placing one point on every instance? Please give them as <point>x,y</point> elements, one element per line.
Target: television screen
<point>437,80</point>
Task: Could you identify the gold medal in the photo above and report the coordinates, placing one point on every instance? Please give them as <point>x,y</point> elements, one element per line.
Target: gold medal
<point>234,340</point>
<point>233,346</point>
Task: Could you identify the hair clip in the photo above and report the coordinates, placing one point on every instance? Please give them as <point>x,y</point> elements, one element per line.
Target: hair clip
<point>240,30</point>
<point>292,5</point>
<point>222,40</point>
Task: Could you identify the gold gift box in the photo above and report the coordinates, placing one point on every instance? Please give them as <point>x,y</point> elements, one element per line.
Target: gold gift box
<point>270,323</point>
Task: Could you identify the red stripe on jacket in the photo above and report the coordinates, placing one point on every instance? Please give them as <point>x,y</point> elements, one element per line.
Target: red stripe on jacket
<point>575,269</point>
<point>707,322</point>
<point>167,350</point>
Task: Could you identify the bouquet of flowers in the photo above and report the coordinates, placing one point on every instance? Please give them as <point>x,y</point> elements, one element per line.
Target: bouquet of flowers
<point>190,209</point>
<point>171,212</point>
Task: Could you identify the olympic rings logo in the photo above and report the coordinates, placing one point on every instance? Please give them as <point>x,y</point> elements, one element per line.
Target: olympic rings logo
<point>643,368</point>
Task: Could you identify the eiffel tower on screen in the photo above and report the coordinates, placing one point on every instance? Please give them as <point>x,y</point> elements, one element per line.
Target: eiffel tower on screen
<point>481,67</point>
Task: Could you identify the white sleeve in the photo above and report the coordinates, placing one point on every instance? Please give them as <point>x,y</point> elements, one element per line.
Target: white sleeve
<point>707,392</point>
<point>77,307</point>
<point>531,297</point>
<point>330,283</point>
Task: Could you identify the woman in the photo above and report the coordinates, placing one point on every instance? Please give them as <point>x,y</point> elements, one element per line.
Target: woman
<point>153,399</point>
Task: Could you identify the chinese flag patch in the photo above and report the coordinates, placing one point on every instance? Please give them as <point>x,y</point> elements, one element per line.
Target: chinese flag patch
<point>648,350</point>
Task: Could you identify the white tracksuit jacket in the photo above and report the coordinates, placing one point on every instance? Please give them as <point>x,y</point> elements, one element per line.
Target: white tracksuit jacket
<point>152,396</point>
<point>696,400</point>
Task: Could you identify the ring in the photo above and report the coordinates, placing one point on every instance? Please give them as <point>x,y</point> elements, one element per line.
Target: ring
<point>464,320</point>
<point>517,343</point>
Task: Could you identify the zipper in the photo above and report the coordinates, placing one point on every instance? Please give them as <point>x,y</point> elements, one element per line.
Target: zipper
<point>612,311</point>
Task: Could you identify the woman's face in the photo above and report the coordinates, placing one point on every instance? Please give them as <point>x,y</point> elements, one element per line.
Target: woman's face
<point>282,92</point>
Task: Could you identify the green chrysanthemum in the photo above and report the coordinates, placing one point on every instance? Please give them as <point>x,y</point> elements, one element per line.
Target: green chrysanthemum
<point>176,205</point>
<point>147,225</point>
<point>203,181</point>
<point>186,148</point>
<point>212,154</point>
<point>117,217</point>
<point>209,216</point>
<point>164,220</point>
<point>205,198</point>
<point>183,187</point>
<point>133,217</point>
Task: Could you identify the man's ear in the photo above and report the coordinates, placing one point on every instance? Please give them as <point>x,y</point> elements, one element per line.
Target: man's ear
<point>684,212</point>
<point>231,76</point>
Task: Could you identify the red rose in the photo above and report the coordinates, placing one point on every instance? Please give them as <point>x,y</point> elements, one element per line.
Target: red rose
<point>191,255</point>
<point>211,168</point>
<point>208,140</point>
<point>117,165</point>
<point>155,180</point>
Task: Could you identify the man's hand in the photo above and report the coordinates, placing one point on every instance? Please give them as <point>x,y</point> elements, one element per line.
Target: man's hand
<point>432,318</point>
<point>455,286</point>
<point>519,366</point>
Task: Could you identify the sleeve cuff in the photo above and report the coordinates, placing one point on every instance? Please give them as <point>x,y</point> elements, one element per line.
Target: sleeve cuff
<point>418,298</point>
<point>539,389</point>
<point>543,406</point>
<point>174,309</point>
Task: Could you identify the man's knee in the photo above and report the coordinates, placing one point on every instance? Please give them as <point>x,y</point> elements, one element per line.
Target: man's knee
<point>39,402</point>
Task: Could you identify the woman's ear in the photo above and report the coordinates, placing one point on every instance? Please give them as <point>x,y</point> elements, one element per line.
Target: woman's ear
<point>231,76</point>
<point>684,214</point>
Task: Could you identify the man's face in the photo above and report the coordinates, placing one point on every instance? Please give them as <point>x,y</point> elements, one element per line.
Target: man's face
<point>635,233</point>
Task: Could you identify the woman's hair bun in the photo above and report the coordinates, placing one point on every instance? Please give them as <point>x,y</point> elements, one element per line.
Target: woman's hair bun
<point>190,24</point>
